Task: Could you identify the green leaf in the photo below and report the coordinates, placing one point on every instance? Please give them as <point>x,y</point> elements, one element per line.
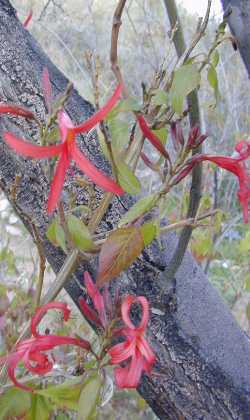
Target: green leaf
<point>56,235</point>
<point>118,252</point>
<point>119,133</point>
<point>244,245</point>
<point>89,397</point>
<point>138,209</point>
<point>215,58</point>
<point>213,80</point>
<point>14,403</point>
<point>40,408</point>
<point>248,311</point>
<point>186,79</point>
<point>126,178</point>
<point>103,145</point>
<point>65,395</point>
<point>79,233</point>
<point>129,104</point>
<point>247,283</point>
<point>162,134</point>
<point>160,97</point>
<point>149,232</point>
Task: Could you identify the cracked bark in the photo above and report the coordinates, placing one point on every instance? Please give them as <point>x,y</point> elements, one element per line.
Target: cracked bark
<point>203,356</point>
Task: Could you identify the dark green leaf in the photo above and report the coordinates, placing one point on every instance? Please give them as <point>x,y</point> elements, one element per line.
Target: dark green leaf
<point>40,408</point>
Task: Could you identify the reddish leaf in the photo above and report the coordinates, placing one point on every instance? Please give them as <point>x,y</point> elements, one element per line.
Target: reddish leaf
<point>17,110</point>
<point>118,252</point>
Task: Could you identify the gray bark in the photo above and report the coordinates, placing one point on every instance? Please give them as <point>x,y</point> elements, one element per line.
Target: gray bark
<point>238,12</point>
<point>203,358</point>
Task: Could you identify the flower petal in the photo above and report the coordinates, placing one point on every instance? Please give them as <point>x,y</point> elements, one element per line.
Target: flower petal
<point>126,307</point>
<point>145,350</point>
<point>96,297</point>
<point>40,312</point>
<point>101,114</point>
<point>93,173</point>
<point>129,377</point>
<point>154,140</point>
<point>58,181</point>
<point>24,148</point>
<point>28,19</point>
<point>88,312</point>
<point>122,351</point>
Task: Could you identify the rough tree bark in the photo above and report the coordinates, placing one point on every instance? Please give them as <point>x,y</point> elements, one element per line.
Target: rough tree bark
<point>203,356</point>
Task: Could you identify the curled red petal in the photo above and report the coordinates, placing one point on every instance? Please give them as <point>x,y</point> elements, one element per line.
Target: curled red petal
<point>129,377</point>
<point>58,181</point>
<point>146,351</point>
<point>154,140</point>
<point>26,149</point>
<point>17,110</point>
<point>94,174</point>
<point>40,312</point>
<point>28,19</point>
<point>125,309</point>
<point>101,114</point>
<point>88,312</point>
<point>122,351</point>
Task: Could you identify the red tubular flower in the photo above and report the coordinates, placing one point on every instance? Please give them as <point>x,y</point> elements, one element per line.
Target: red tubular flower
<point>154,140</point>
<point>68,151</point>
<point>30,352</point>
<point>234,164</point>
<point>135,347</point>
<point>28,19</point>
<point>98,302</point>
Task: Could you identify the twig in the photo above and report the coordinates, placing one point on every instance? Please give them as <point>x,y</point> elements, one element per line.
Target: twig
<point>42,266</point>
<point>194,117</point>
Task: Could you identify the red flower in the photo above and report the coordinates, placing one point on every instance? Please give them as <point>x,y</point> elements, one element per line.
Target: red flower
<point>99,318</point>
<point>68,151</point>
<point>30,352</point>
<point>154,140</point>
<point>28,19</point>
<point>135,347</point>
<point>234,164</point>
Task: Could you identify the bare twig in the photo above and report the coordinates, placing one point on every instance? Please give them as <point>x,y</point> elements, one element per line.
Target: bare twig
<point>42,265</point>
